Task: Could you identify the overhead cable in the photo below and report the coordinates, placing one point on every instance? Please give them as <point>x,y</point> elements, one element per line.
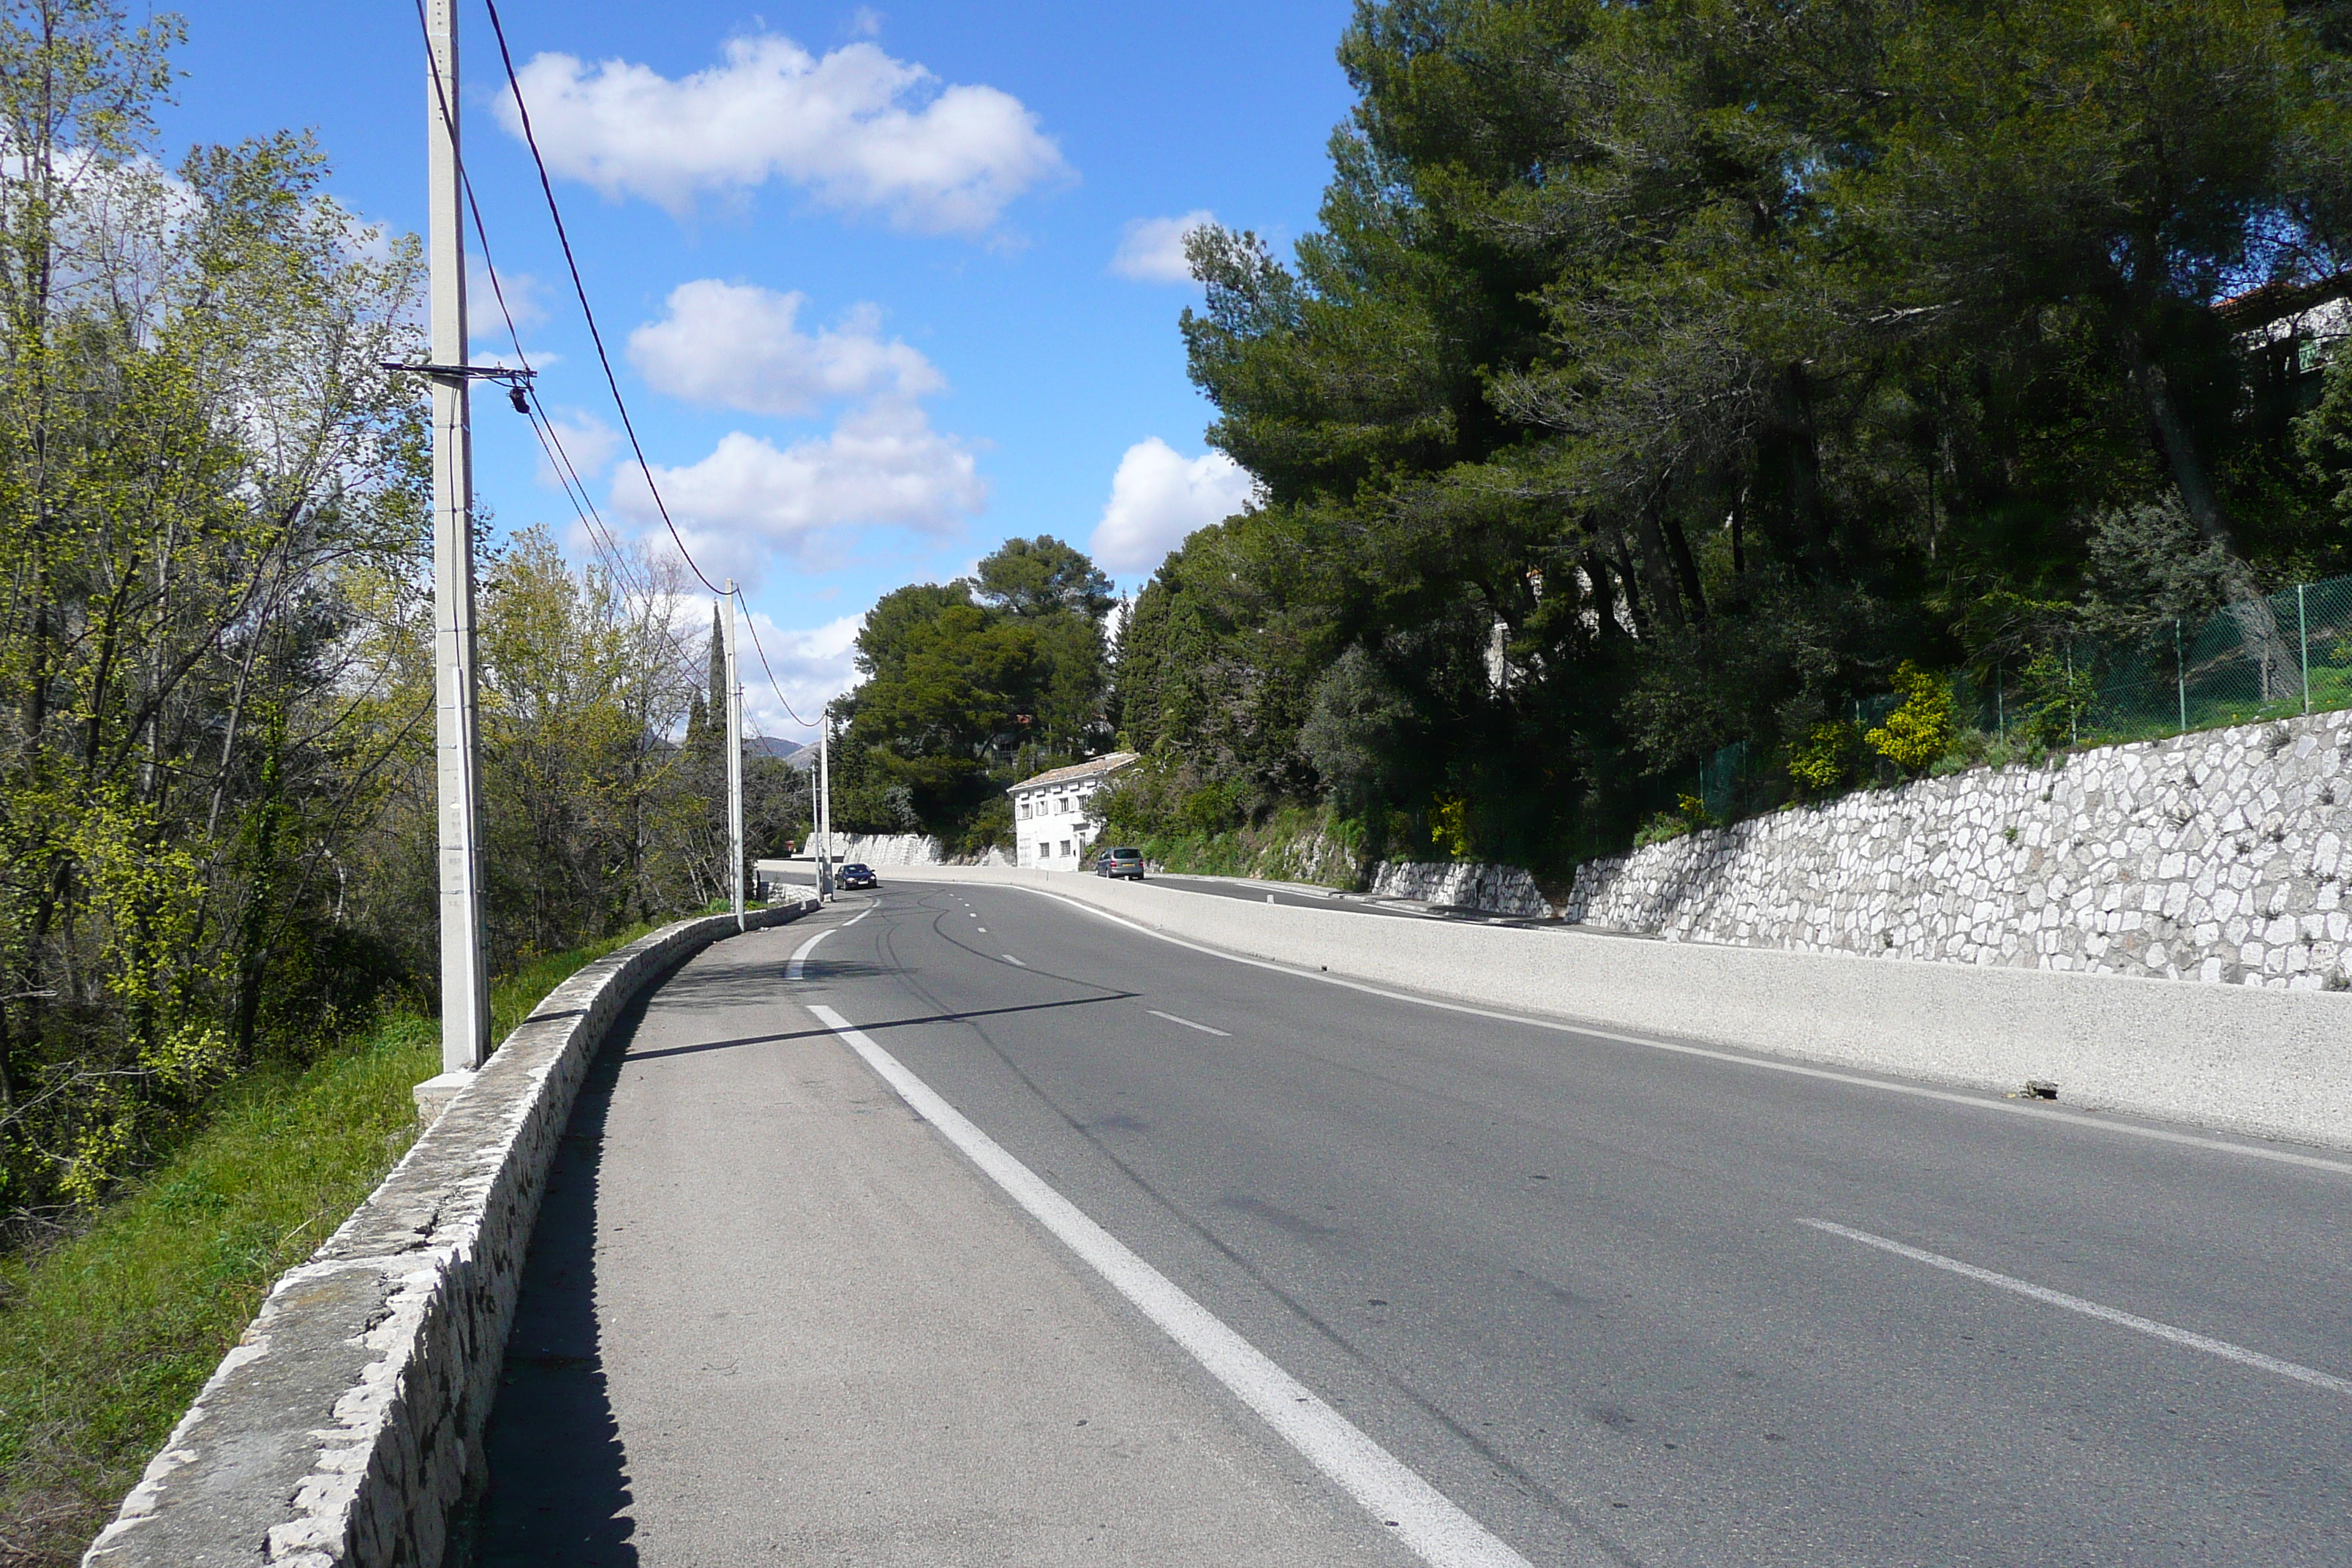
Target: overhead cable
<point>547,186</point>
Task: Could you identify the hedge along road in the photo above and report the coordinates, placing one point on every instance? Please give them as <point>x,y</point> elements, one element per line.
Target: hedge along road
<point>1608,1304</point>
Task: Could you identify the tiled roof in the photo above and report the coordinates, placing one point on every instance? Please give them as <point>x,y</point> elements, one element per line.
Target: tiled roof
<point>1096,769</point>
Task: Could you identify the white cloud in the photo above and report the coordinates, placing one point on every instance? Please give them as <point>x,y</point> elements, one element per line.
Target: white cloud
<point>858,130</point>
<point>882,466</point>
<point>813,666</point>
<point>1151,250</point>
<point>524,294</point>
<point>1158,497</point>
<point>737,347</point>
<point>587,440</point>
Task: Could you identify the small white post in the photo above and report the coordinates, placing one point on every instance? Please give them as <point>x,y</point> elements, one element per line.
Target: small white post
<point>2302,645</point>
<point>734,763</point>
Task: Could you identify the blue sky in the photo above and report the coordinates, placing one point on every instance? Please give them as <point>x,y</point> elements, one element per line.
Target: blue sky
<point>884,286</point>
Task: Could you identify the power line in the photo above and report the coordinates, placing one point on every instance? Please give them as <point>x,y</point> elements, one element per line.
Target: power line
<point>526,396</point>
<point>547,186</point>
<point>541,425</point>
<point>773,683</point>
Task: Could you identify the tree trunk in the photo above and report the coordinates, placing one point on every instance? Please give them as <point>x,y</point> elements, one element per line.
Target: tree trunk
<point>1628,585</point>
<point>1686,564</point>
<point>1601,594</point>
<point>1658,570</point>
<point>2258,624</point>
<point>1800,460</point>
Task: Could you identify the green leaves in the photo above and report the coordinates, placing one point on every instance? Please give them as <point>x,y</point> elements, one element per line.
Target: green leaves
<point>962,698</point>
<point>1662,376</point>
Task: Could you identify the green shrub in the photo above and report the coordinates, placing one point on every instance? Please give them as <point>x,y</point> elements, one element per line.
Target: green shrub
<point>1689,815</point>
<point>2056,698</point>
<point>1449,827</point>
<point>1920,731</point>
<point>1825,759</point>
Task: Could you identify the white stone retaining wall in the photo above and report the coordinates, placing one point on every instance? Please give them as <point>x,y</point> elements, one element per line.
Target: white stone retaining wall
<point>347,1423</point>
<point>887,849</point>
<point>1496,890</point>
<point>2217,857</point>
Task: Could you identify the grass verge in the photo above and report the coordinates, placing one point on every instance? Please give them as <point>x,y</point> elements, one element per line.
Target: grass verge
<point>105,1339</point>
<point>1292,846</point>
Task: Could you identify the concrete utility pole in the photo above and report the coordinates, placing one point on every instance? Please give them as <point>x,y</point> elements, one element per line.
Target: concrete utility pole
<point>465,987</point>
<point>824,803</point>
<point>734,761</point>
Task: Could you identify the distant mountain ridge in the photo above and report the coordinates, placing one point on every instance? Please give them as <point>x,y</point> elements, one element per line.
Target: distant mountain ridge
<point>794,752</point>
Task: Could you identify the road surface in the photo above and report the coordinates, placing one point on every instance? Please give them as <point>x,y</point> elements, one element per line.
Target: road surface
<point>1615,1304</point>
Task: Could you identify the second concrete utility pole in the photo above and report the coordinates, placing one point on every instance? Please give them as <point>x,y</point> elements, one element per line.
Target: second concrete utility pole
<point>734,763</point>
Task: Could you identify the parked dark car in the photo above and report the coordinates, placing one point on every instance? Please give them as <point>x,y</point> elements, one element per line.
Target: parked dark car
<point>855,876</point>
<point>1120,863</point>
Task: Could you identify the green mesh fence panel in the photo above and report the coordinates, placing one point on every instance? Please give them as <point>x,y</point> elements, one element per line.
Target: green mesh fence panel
<point>1724,782</point>
<point>2269,658</point>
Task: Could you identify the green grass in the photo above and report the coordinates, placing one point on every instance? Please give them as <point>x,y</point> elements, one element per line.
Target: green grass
<point>106,1337</point>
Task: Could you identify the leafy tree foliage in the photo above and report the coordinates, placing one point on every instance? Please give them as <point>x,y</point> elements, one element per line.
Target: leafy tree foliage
<point>1665,376</point>
<point>216,784</point>
<point>970,686</point>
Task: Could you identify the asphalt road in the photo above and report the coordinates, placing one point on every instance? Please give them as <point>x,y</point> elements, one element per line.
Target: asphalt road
<point>1246,889</point>
<point>1583,1287</point>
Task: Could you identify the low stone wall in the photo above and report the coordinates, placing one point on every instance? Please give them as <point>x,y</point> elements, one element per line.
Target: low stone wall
<point>347,1423</point>
<point>2218,857</point>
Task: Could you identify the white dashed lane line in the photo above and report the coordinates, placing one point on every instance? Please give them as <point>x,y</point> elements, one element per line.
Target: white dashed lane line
<point>1188,1023</point>
<point>1009,959</point>
<point>2148,1326</point>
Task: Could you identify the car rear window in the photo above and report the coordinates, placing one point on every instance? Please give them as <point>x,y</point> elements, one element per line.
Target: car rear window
<point>1127,854</point>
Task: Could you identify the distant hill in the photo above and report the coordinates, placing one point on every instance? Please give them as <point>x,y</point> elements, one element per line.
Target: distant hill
<point>802,757</point>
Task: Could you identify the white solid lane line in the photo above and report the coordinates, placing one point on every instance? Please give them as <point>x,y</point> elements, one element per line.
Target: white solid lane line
<point>1188,1023</point>
<point>856,918</point>
<point>1423,1518</point>
<point>793,968</point>
<point>1009,959</point>
<point>2221,1348</point>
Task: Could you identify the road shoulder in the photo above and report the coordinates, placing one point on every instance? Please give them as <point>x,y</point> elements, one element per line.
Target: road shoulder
<point>819,1334</point>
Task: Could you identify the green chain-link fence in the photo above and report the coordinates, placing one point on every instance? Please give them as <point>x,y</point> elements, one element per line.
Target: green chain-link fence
<point>2267,658</point>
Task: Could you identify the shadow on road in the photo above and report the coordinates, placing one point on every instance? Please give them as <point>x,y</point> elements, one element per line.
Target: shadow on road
<point>559,1481</point>
<point>875,1027</point>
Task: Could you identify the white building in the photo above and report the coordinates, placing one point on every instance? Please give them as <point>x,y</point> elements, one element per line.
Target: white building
<point>1049,812</point>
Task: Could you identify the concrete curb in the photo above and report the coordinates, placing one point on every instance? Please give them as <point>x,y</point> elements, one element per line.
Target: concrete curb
<point>347,1423</point>
<point>2267,1063</point>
